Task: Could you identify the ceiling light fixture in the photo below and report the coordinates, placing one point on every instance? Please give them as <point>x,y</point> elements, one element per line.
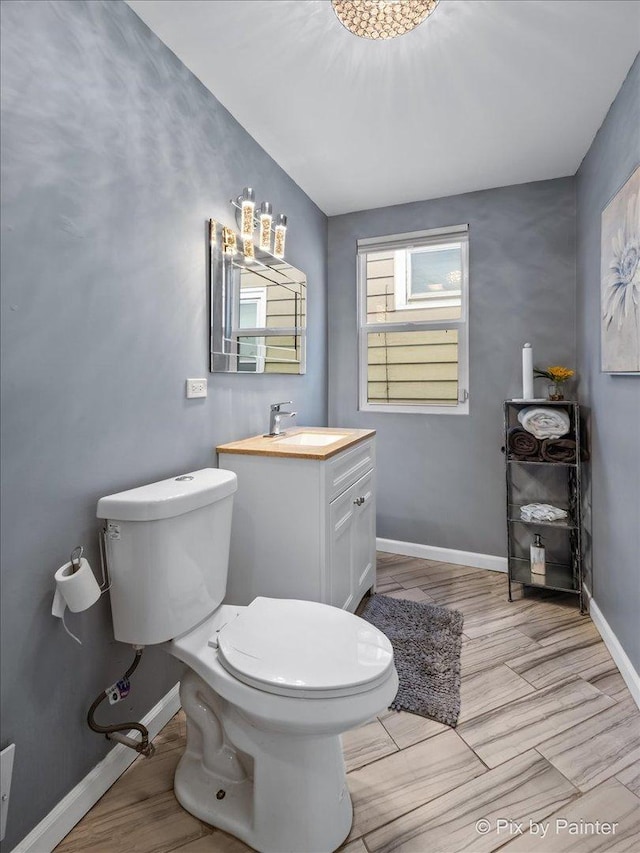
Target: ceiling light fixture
<point>382,19</point>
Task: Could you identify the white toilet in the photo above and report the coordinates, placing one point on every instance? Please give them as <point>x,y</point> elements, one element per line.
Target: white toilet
<point>269,687</point>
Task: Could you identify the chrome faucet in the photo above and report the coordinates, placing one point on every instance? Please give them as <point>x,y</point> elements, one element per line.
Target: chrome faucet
<point>275,416</point>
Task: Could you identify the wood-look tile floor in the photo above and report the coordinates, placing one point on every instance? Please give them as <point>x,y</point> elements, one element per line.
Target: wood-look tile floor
<point>548,738</point>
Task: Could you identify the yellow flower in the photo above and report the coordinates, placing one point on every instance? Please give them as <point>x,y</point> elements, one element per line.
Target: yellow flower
<point>559,373</point>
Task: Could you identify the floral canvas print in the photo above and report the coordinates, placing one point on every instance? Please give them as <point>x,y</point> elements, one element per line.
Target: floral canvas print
<point>620,280</point>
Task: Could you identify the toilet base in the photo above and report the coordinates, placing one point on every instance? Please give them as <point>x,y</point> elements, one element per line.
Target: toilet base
<point>279,792</point>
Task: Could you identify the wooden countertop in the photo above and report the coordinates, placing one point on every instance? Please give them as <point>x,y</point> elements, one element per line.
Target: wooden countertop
<point>261,445</point>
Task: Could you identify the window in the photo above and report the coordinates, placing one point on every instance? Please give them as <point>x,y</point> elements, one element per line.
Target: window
<point>266,338</point>
<point>413,331</point>
<point>253,314</point>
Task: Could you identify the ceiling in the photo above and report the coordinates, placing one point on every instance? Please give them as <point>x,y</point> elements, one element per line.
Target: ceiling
<point>484,93</point>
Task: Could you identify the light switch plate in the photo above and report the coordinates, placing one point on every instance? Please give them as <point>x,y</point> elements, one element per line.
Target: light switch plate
<point>196,388</point>
<point>6,771</point>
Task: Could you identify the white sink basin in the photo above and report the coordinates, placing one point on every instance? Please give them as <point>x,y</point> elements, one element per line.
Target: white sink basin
<point>312,439</point>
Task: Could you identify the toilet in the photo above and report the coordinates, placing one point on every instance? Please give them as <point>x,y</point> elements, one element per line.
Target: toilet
<point>269,687</point>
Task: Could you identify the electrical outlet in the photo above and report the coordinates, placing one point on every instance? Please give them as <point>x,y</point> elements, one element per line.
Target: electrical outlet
<point>196,388</point>
<point>6,770</point>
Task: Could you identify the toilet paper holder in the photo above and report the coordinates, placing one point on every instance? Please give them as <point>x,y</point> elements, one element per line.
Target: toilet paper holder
<point>75,558</point>
<point>76,554</point>
<point>105,581</point>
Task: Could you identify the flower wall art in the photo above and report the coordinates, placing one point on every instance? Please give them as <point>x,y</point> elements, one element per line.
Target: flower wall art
<point>620,280</point>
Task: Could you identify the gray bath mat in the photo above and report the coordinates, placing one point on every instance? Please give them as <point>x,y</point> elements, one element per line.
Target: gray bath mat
<point>426,642</point>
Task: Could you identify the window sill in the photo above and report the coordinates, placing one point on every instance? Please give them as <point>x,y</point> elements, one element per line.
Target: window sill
<point>391,409</point>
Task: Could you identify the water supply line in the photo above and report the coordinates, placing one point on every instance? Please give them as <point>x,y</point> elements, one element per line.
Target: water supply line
<point>114,732</point>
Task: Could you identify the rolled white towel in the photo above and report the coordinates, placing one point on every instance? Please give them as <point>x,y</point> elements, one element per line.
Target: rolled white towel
<point>542,512</point>
<point>545,422</point>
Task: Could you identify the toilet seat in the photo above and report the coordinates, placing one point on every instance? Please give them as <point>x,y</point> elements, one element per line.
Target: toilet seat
<point>303,649</point>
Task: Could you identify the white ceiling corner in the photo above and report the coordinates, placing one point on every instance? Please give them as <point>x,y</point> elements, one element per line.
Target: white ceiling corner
<point>484,93</point>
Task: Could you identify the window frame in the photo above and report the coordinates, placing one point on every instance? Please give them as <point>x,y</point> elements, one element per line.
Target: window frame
<point>413,239</point>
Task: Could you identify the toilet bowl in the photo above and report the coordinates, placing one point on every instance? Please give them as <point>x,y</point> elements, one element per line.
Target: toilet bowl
<point>271,758</point>
<point>269,688</point>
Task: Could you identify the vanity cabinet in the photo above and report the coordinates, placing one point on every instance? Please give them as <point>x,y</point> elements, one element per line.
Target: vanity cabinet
<point>303,527</point>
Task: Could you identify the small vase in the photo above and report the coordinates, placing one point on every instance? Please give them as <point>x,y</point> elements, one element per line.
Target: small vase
<point>554,391</point>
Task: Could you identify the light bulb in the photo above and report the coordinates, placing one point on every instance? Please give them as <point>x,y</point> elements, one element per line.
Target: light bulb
<point>247,248</point>
<point>229,239</point>
<point>265,226</point>
<point>280,236</point>
<point>248,209</point>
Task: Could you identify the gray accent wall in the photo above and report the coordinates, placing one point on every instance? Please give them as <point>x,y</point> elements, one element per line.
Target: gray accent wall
<point>614,400</point>
<point>441,477</point>
<point>113,157</point>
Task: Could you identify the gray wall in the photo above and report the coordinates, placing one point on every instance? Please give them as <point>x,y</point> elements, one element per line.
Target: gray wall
<point>614,400</point>
<point>113,157</point>
<point>441,477</point>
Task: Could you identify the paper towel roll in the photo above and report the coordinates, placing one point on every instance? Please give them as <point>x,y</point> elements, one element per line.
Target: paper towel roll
<point>75,590</point>
<point>527,372</point>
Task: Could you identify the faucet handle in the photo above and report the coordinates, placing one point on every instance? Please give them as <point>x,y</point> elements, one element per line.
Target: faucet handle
<point>275,407</point>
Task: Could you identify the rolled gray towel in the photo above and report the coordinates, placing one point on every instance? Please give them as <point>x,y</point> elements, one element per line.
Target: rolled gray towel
<point>558,450</point>
<point>522,444</point>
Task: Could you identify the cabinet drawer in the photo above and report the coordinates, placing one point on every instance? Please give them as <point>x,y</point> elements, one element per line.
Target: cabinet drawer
<point>344,469</point>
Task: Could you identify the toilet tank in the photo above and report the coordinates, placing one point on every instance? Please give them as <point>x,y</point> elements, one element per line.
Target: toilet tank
<point>167,550</point>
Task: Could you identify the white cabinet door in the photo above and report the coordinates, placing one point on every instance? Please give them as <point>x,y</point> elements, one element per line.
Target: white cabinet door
<point>352,547</point>
<point>363,535</point>
<point>341,517</point>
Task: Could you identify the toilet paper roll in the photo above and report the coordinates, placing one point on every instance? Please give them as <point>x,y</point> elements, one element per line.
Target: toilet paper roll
<point>77,590</point>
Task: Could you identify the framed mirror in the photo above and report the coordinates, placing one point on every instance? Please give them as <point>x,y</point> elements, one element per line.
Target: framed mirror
<point>258,309</point>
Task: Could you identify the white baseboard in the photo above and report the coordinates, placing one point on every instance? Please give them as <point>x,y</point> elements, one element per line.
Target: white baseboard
<point>61,819</point>
<point>620,657</point>
<point>443,555</point>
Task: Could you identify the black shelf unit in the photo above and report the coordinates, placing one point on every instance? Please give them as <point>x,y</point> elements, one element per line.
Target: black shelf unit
<point>556,483</point>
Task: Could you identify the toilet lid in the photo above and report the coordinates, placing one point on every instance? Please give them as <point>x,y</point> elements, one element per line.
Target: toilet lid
<point>304,649</point>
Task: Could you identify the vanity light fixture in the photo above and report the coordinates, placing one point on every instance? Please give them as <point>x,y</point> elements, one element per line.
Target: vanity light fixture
<point>382,19</point>
<point>248,206</point>
<point>266,218</point>
<point>247,220</point>
<point>280,236</point>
